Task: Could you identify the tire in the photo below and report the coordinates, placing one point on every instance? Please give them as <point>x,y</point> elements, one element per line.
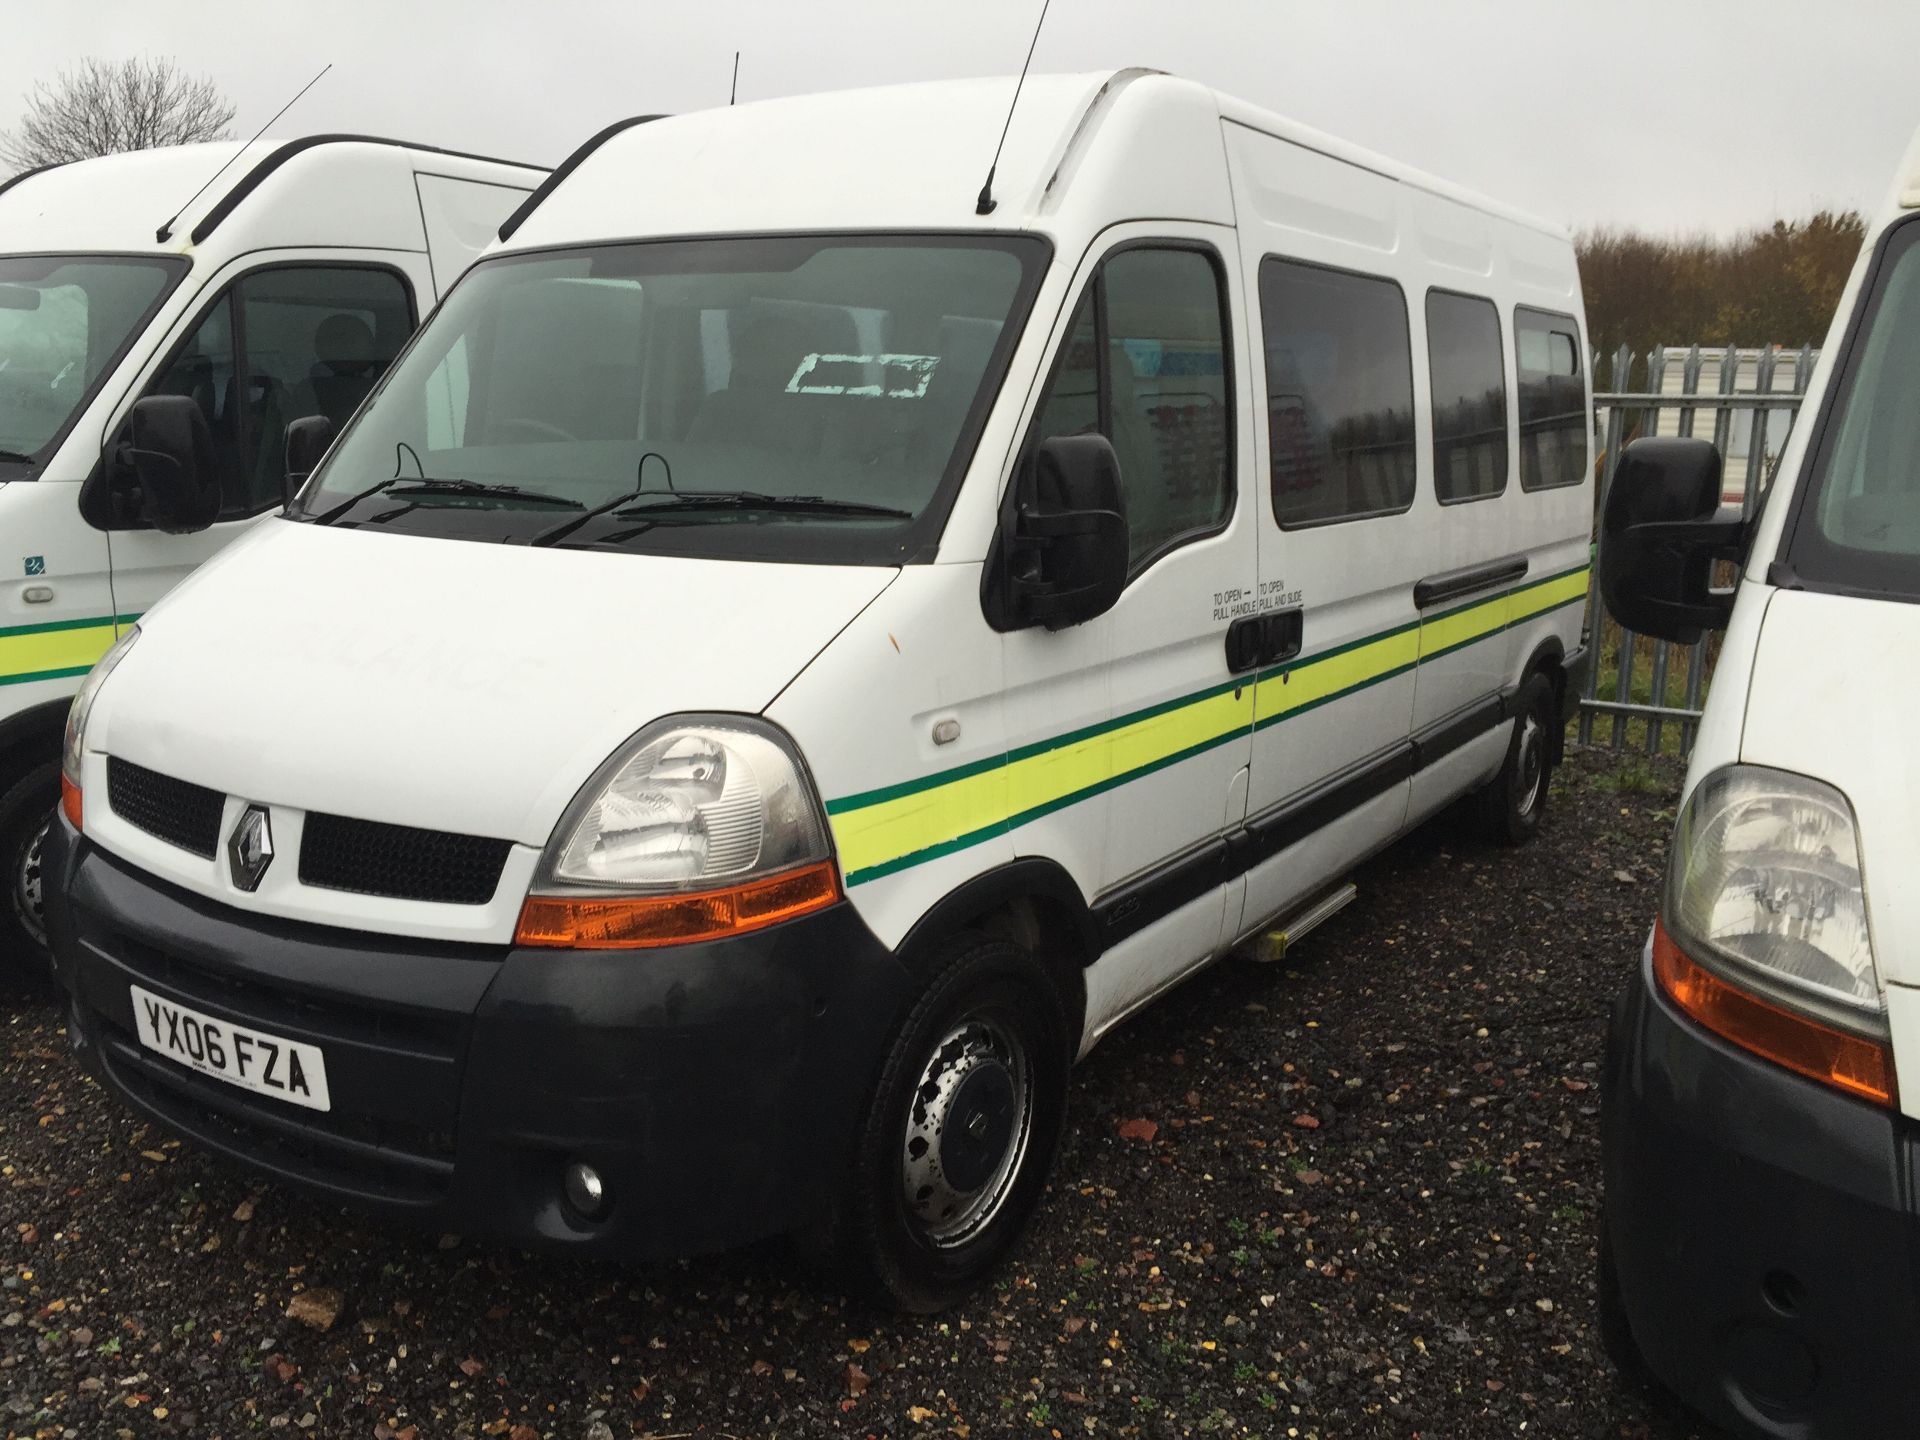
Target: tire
<point>1512,803</point>
<point>982,1057</point>
<point>26,809</point>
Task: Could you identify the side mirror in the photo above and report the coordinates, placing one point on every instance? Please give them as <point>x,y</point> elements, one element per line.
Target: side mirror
<point>307,440</point>
<point>1061,555</point>
<point>166,461</point>
<point>1660,537</point>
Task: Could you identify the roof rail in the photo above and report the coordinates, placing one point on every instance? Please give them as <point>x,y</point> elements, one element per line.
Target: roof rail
<point>567,167</point>
<point>252,179</point>
<point>9,183</point>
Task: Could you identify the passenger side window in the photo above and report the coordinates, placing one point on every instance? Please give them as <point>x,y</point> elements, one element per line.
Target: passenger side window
<point>284,343</point>
<point>1339,393</point>
<point>1469,397</point>
<point>1553,399</point>
<point>1158,389</point>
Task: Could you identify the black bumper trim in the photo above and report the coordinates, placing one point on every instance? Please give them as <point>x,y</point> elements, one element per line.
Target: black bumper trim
<point>715,1087</point>
<point>1763,1230</point>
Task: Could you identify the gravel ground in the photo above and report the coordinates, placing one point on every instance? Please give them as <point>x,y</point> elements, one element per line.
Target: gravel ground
<point>1354,1195</point>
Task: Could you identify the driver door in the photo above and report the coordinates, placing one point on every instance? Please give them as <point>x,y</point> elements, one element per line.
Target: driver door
<point>285,340</point>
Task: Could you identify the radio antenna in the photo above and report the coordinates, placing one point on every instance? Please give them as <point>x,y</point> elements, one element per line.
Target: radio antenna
<point>734,93</point>
<point>987,204</point>
<point>165,232</point>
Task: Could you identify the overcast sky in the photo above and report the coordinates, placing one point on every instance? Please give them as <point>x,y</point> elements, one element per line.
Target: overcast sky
<point>1662,114</point>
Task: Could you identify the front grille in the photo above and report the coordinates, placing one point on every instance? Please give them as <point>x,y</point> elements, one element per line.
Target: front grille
<point>400,862</point>
<point>176,811</point>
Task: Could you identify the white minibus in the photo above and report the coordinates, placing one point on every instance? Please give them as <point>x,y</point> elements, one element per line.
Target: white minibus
<point>801,646</point>
<point>258,283</point>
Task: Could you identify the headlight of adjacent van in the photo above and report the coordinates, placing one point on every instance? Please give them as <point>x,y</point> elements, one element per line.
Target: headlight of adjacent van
<point>73,747</point>
<point>1763,935</point>
<point>701,827</point>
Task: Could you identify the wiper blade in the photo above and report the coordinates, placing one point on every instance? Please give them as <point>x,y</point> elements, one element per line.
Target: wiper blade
<point>753,500</point>
<point>484,487</point>
<point>16,457</point>
<point>408,485</point>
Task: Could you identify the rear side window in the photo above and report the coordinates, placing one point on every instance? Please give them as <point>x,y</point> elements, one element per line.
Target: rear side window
<point>1157,388</point>
<point>1553,399</point>
<point>1339,393</point>
<point>1469,397</point>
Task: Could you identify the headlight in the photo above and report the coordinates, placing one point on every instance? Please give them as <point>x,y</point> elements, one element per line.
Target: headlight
<point>1764,931</point>
<point>700,827</point>
<point>74,745</point>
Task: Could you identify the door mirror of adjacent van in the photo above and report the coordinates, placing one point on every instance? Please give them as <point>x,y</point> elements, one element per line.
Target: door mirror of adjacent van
<point>307,440</point>
<point>160,471</point>
<point>1061,555</point>
<point>1661,536</point>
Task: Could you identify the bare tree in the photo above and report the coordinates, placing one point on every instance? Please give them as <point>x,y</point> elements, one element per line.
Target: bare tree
<point>103,107</point>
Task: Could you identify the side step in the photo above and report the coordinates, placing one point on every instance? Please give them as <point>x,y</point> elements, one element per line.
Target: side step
<point>1271,948</point>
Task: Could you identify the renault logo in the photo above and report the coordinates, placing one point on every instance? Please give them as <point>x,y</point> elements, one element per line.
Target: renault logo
<point>250,848</point>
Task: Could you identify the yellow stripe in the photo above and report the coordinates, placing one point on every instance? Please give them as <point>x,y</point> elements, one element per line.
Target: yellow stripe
<point>1314,681</point>
<point>54,649</point>
<point>879,833</point>
<point>1526,603</point>
<point>889,831</point>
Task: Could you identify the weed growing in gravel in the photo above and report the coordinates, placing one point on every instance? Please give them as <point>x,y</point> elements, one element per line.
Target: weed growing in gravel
<point>1237,1228</point>
<point>1632,777</point>
<point>1245,1372</point>
<point>1571,1214</point>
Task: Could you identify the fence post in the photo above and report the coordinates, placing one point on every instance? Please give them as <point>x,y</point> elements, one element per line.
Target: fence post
<point>1620,382</point>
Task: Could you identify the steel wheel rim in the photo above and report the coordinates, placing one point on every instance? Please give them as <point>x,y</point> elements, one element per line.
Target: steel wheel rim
<point>29,885</point>
<point>1533,767</point>
<point>969,1123</point>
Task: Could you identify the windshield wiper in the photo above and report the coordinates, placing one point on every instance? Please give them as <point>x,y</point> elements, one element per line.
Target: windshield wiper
<point>753,500</point>
<point>16,457</point>
<point>411,485</point>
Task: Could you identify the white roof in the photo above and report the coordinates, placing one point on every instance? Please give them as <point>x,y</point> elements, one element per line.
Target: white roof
<point>915,156</point>
<point>345,192</point>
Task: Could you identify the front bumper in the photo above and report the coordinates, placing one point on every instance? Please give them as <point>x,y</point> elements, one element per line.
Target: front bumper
<point>715,1087</point>
<point>1763,1231</point>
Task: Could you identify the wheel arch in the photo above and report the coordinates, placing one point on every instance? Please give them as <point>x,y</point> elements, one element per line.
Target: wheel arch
<point>31,736</point>
<point>1032,902</point>
<point>1548,658</point>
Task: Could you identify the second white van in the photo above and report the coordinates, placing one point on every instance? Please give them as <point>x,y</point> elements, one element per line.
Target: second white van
<point>800,648</point>
<point>257,283</point>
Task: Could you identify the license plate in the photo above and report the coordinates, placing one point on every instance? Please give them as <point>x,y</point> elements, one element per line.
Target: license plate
<point>265,1064</point>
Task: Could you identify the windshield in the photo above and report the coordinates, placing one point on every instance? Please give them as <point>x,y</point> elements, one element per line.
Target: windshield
<point>64,321</point>
<point>1857,523</point>
<point>799,398</point>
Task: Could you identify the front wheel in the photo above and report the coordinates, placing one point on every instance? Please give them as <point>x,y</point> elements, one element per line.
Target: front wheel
<point>26,810</point>
<point>1513,802</point>
<point>957,1137</point>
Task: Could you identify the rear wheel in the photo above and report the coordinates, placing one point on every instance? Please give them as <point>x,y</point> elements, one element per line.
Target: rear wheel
<point>1513,802</point>
<point>26,810</point>
<point>954,1145</point>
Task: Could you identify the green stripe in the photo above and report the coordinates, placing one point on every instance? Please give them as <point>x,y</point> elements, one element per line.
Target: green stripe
<point>8,632</point>
<point>35,675</point>
<point>905,788</point>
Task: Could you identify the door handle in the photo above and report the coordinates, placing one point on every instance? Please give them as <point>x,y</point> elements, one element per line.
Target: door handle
<point>1270,639</point>
<point>1243,644</point>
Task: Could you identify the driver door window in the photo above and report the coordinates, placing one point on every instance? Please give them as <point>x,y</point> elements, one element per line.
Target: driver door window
<point>283,343</point>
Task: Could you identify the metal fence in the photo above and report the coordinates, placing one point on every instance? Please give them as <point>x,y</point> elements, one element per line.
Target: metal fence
<point>1643,693</point>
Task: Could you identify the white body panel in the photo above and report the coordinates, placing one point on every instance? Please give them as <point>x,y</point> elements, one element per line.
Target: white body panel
<point>476,687</point>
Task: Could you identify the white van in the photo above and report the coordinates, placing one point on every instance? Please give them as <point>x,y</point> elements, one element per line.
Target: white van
<point>1762,1096</point>
<point>799,648</point>
<point>281,289</point>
